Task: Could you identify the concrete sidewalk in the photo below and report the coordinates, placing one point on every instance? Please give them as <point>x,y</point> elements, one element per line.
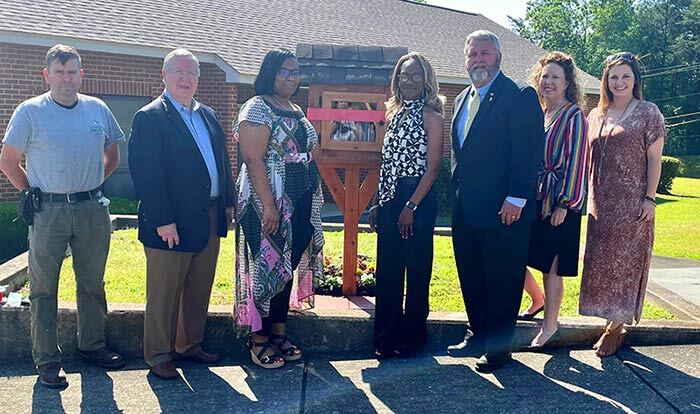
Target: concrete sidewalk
<point>675,285</point>
<point>640,379</point>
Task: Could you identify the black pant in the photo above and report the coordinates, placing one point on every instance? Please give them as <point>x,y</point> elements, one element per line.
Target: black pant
<point>302,231</point>
<point>491,266</point>
<point>396,258</point>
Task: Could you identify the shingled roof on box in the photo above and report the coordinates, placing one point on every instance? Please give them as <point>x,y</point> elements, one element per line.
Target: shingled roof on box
<point>347,64</point>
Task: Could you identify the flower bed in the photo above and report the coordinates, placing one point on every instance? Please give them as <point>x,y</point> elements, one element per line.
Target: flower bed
<point>332,283</point>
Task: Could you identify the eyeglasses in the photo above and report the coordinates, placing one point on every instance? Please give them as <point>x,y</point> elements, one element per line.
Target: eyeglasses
<point>186,74</point>
<point>286,73</point>
<point>416,77</point>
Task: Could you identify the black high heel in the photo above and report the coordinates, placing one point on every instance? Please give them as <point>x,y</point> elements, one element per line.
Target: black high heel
<point>524,316</point>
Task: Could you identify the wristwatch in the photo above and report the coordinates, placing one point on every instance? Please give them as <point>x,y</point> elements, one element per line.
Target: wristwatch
<point>410,204</point>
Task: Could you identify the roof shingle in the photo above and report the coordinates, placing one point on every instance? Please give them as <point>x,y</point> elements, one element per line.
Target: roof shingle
<point>241,31</point>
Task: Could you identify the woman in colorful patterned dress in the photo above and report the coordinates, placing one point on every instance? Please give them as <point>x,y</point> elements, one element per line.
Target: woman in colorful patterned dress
<point>626,135</point>
<point>278,214</point>
<point>404,210</point>
<point>561,189</point>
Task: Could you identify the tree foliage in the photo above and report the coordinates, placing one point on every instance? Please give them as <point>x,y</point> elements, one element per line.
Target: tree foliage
<point>665,33</point>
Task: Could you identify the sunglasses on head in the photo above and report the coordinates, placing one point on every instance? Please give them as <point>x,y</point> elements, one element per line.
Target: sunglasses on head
<point>625,56</point>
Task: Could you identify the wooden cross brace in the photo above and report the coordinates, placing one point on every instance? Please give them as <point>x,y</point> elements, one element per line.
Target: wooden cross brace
<point>352,199</point>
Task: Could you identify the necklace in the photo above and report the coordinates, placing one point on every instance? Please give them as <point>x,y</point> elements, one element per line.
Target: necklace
<point>614,122</point>
<point>611,127</point>
<point>279,103</point>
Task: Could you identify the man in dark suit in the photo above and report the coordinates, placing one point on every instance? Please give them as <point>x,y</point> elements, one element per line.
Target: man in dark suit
<point>182,176</point>
<point>497,144</point>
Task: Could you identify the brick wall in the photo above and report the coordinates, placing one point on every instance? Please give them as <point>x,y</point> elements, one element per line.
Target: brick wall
<point>108,74</point>
<point>590,102</point>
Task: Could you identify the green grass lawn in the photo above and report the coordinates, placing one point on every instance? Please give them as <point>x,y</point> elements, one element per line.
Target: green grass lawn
<point>678,220</point>
<point>125,275</point>
<point>677,235</point>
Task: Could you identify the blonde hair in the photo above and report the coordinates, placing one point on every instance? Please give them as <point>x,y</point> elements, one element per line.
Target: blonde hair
<point>573,92</point>
<point>430,89</point>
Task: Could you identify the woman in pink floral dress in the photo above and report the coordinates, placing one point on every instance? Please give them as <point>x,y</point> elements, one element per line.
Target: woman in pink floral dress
<point>626,136</point>
<point>278,213</point>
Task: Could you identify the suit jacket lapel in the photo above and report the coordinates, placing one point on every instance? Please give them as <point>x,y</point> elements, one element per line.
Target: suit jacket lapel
<point>176,119</point>
<point>459,103</point>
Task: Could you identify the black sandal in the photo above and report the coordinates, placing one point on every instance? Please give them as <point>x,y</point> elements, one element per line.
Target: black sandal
<point>290,353</point>
<point>260,359</point>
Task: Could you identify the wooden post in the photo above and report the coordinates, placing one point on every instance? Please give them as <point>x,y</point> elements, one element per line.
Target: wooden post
<point>352,220</point>
<point>352,199</point>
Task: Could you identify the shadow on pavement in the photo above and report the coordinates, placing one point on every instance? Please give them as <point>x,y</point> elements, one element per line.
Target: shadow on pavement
<point>680,389</point>
<point>646,379</point>
<point>239,388</point>
<point>446,385</point>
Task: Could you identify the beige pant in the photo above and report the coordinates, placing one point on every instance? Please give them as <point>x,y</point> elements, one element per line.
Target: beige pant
<point>178,287</point>
<point>85,226</point>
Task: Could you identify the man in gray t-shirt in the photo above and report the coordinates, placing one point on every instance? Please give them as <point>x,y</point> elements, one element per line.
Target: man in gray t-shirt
<point>68,140</point>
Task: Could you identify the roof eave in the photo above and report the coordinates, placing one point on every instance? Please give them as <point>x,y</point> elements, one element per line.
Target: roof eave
<point>232,75</point>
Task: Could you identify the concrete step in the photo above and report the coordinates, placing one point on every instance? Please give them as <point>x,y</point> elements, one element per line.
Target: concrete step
<point>318,330</point>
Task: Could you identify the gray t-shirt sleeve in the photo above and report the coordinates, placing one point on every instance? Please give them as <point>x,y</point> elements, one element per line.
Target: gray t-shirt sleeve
<point>19,130</point>
<point>112,130</point>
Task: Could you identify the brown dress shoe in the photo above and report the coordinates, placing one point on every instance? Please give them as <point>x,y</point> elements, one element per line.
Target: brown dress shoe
<point>165,370</point>
<point>202,357</point>
<point>103,357</point>
<point>51,375</point>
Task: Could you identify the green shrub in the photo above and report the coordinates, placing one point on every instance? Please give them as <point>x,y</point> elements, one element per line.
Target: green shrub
<point>691,166</point>
<point>123,206</point>
<point>13,234</point>
<point>443,188</point>
<point>670,168</point>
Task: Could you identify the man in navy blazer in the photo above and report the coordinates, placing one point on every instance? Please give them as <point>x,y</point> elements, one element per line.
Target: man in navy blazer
<point>182,176</point>
<point>497,144</point>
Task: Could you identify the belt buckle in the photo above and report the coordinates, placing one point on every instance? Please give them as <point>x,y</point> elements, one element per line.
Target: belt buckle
<point>69,199</point>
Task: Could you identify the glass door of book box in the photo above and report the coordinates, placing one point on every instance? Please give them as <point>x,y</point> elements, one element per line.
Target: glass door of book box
<point>355,121</point>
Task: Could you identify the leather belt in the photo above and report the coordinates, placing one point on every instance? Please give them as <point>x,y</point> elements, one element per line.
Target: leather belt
<point>71,197</point>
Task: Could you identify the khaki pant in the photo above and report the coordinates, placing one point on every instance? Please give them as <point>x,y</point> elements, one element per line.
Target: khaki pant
<point>178,287</point>
<point>86,227</point>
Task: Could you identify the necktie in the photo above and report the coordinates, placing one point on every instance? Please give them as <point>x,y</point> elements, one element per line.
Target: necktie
<point>474,101</point>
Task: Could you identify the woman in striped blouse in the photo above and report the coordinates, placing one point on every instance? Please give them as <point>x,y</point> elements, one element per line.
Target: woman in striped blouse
<point>561,189</point>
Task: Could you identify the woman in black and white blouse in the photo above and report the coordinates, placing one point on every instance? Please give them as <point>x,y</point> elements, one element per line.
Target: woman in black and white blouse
<point>403,214</point>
